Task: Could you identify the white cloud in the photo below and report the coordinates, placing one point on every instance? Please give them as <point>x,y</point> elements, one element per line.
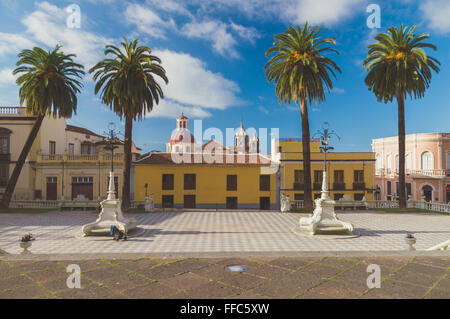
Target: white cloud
<point>170,6</point>
<point>319,12</point>
<point>214,31</point>
<point>247,33</point>
<point>13,43</point>
<point>191,83</point>
<point>263,109</point>
<point>290,11</point>
<point>171,109</point>
<point>6,77</point>
<point>47,25</point>
<point>437,13</point>
<point>147,21</point>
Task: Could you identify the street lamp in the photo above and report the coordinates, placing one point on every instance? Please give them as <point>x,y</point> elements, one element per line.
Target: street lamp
<point>325,135</point>
<point>112,140</point>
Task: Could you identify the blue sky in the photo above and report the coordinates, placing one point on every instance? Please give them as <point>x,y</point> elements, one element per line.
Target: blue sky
<point>214,54</point>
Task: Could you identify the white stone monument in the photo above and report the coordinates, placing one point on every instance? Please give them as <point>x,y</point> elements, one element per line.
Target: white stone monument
<point>111,214</point>
<point>324,219</point>
<point>285,203</point>
<point>149,204</point>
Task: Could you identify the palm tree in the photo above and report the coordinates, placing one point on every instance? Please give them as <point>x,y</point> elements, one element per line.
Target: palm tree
<point>398,66</point>
<point>48,86</point>
<point>301,73</point>
<point>129,88</point>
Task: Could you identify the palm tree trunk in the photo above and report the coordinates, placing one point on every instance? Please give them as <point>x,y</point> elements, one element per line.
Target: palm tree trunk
<point>127,162</point>
<point>306,154</point>
<point>401,151</point>
<point>4,204</point>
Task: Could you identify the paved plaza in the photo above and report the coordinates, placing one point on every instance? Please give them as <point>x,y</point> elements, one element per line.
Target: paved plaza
<point>319,277</point>
<point>227,231</point>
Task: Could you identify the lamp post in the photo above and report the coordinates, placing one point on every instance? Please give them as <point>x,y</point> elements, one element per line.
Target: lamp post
<point>112,139</point>
<point>325,135</point>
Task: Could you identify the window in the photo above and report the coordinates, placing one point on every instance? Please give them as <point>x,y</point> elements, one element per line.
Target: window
<point>388,189</point>
<point>378,163</point>
<point>189,181</point>
<point>388,163</point>
<point>427,161</point>
<point>52,148</point>
<point>71,149</point>
<point>4,174</point>
<point>264,182</point>
<point>167,181</point>
<point>408,162</point>
<point>83,179</point>
<point>339,177</point>
<point>359,176</point>
<point>358,196</point>
<point>299,176</point>
<point>317,195</point>
<point>318,177</point>
<point>85,149</point>
<point>299,196</point>
<point>189,201</point>
<point>264,203</point>
<point>231,182</point>
<point>397,162</point>
<point>338,196</point>
<point>4,144</point>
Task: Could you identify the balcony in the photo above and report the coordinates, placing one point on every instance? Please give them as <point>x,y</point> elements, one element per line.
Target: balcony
<point>79,158</point>
<point>5,157</point>
<point>12,111</point>
<point>359,186</point>
<point>299,186</point>
<point>317,186</point>
<point>338,186</point>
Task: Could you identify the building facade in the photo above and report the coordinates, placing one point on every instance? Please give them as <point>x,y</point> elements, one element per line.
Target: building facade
<point>349,174</point>
<point>65,161</point>
<point>427,165</point>
<point>213,176</point>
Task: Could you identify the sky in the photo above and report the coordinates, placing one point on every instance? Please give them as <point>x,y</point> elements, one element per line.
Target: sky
<point>214,55</point>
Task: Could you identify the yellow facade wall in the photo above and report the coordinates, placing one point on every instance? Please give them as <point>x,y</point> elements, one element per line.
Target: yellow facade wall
<point>348,162</point>
<point>211,184</point>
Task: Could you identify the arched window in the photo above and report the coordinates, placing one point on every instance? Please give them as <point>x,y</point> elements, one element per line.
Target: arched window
<point>378,163</point>
<point>388,163</point>
<point>408,162</point>
<point>427,161</point>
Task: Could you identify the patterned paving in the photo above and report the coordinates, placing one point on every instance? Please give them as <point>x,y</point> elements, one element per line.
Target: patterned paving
<point>57,232</point>
<point>319,277</point>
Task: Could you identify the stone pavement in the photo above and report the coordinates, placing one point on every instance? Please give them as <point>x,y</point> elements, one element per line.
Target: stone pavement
<point>283,277</point>
<point>230,231</point>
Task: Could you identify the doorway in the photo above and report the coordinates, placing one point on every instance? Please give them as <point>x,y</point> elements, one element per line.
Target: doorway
<point>427,192</point>
<point>52,188</point>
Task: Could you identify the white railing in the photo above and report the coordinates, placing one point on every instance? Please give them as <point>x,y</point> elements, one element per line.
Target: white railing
<point>420,172</point>
<point>441,246</point>
<point>51,204</point>
<point>436,207</point>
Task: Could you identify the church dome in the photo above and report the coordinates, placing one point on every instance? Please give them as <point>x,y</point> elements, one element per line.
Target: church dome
<point>181,136</point>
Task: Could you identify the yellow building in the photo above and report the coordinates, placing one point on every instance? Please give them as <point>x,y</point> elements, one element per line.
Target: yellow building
<point>214,176</point>
<point>65,161</point>
<point>351,174</point>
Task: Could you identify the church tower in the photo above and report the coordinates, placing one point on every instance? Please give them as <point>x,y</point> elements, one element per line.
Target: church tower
<point>241,141</point>
<point>254,144</point>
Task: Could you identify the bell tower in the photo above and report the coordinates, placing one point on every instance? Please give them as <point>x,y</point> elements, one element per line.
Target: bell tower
<point>241,140</point>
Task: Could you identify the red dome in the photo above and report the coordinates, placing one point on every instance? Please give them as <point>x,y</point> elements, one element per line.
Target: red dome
<point>181,136</point>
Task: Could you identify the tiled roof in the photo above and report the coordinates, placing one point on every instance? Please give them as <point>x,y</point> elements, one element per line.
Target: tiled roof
<point>82,130</point>
<point>224,159</point>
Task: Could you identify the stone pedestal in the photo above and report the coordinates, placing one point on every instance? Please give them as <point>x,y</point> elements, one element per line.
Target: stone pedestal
<point>149,205</point>
<point>111,214</point>
<point>324,219</point>
<point>285,204</point>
